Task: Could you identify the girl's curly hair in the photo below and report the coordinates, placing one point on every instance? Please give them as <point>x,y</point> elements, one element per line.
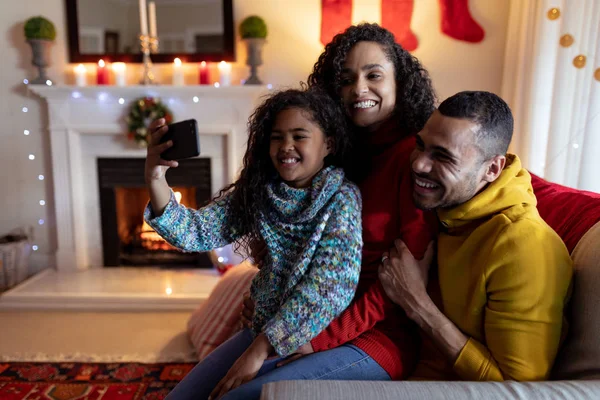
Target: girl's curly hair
<point>415,97</point>
<point>248,199</point>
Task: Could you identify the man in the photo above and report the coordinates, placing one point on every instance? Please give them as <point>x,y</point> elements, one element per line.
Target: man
<point>503,274</point>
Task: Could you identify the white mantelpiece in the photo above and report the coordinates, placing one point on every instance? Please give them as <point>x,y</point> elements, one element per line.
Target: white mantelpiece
<point>88,122</point>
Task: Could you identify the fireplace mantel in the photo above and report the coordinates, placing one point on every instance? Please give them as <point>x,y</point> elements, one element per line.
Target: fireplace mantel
<point>89,122</point>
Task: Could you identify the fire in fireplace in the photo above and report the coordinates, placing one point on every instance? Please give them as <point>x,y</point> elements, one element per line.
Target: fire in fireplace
<point>127,239</point>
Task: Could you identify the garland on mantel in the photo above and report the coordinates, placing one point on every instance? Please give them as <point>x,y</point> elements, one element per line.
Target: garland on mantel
<point>141,112</point>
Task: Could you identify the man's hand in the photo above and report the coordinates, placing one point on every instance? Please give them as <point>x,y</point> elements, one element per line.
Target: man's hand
<point>404,278</point>
<point>301,352</point>
<point>245,368</point>
<point>247,311</point>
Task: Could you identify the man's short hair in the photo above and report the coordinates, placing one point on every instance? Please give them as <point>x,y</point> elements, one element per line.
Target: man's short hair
<point>490,112</point>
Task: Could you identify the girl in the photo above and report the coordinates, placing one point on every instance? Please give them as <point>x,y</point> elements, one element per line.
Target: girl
<point>291,194</point>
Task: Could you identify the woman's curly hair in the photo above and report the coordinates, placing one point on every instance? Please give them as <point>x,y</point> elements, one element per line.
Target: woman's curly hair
<point>248,195</point>
<point>415,97</point>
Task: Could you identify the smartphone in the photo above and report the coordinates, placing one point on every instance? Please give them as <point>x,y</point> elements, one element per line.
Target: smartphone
<point>186,142</point>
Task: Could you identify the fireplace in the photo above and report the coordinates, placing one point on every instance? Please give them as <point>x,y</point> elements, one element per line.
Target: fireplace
<point>126,239</point>
<point>86,123</point>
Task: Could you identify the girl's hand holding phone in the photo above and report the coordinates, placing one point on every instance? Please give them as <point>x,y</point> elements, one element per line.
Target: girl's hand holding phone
<point>156,167</point>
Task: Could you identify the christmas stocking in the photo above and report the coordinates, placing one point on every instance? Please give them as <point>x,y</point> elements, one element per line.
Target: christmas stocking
<point>458,23</point>
<point>336,16</point>
<point>395,17</point>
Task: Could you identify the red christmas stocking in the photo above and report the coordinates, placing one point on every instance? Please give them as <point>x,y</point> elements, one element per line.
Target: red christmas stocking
<point>395,17</point>
<point>336,16</point>
<point>458,23</point>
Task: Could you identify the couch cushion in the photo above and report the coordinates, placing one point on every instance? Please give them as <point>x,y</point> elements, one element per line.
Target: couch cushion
<point>218,317</point>
<point>570,212</point>
<point>359,390</point>
<point>580,355</point>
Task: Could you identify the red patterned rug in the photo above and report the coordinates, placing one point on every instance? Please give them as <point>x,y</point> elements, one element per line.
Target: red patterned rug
<point>70,381</point>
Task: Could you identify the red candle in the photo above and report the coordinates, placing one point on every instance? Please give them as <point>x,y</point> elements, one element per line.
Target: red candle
<point>102,73</point>
<point>203,73</point>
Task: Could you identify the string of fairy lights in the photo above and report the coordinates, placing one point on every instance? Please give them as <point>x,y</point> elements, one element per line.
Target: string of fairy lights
<point>32,157</point>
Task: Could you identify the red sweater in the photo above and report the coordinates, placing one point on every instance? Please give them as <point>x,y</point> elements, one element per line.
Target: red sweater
<point>372,322</point>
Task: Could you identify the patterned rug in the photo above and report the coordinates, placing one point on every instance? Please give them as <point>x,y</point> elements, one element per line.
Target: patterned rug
<point>70,381</point>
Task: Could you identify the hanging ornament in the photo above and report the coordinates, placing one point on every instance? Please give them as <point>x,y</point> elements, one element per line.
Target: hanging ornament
<point>553,14</point>
<point>141,113</point>
<point>597,74</point>
<point>579,61</point>
<point>395,17</point>
<point>566,40</point>
<point>458,23</point>
<point>336,16</point>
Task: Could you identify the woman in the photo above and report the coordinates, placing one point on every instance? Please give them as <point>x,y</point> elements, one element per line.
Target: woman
<point>388,97</point>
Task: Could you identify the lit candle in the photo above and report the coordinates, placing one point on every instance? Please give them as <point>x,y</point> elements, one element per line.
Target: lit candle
<point>224,73</point>
<point>102,73</point>
<point>152,11</point>
<point>143,18</point>
<point>119,69</point>
<point>80,75</point>
<point>177,73</point>
<point>203,73</point>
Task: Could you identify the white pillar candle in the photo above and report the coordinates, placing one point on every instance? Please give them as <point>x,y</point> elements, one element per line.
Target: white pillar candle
<point>177,72</point>
<point>152,12</point>
<point>143,18</point>
<point>119,69</point>
<point>224,73</point>
<point>80,75</point>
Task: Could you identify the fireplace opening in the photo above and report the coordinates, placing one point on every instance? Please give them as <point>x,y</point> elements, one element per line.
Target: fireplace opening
<point>127,239</point>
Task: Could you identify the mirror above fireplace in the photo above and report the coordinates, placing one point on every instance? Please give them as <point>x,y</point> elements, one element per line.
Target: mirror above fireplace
<point>192,30</point>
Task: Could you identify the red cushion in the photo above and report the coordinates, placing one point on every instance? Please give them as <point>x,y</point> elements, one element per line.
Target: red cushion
<point>570,212</point>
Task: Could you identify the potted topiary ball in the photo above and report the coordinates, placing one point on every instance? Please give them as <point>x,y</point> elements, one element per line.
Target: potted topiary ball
<point>253,31</point>
<point>40,34</point>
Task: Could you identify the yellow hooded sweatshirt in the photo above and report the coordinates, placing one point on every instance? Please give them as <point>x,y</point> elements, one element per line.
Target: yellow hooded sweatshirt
<point>504,277</point>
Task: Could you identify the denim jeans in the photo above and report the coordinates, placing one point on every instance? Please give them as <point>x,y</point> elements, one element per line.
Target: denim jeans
<point>346,362</point>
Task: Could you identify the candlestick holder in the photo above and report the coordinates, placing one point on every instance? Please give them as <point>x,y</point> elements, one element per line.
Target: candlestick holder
<point>148,44</point>
<point>153,44</point>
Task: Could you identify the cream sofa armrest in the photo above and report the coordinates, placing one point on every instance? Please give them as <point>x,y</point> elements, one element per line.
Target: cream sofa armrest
<point>359,390</point>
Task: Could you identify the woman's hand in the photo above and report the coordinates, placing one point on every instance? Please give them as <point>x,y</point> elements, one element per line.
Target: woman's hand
<point>245,368</point>
<point>247,311</point>
<point>156,167</point>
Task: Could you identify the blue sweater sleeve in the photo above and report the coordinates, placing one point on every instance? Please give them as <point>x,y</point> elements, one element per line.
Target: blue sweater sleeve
<point>330,283</point>
<point>194,230</point>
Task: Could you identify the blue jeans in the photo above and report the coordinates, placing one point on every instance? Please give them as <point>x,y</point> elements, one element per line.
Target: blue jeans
<point>346,362</point>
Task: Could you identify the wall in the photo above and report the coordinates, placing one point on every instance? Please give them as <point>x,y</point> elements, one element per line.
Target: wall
<point>292,48</point>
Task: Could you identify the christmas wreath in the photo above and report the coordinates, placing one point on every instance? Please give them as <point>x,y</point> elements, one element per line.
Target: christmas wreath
<point>143,111</point>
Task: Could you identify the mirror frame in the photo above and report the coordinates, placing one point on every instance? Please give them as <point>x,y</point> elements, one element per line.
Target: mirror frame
<point>76,57</point>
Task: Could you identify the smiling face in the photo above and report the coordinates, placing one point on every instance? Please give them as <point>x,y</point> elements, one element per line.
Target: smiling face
<point>447,166</point>
<point>298,147</point>
<point>368,85</point>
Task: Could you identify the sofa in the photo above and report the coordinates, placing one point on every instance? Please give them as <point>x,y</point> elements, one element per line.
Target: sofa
<point>575,216</point>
